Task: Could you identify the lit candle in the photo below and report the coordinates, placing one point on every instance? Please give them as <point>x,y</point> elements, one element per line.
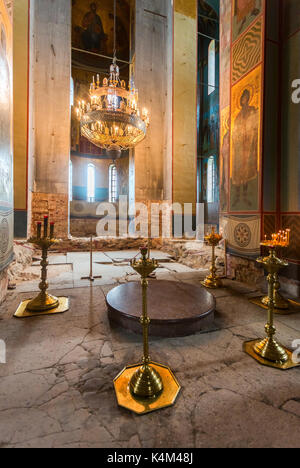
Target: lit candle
<point>39,230</point>
<point>52,230</point>
<point>46,219</point>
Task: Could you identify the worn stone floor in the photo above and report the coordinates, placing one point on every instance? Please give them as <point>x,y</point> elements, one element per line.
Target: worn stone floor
<point>56,389</point>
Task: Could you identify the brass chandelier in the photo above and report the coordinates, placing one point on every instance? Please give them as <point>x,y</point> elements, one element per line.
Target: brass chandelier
<point>112,119</point>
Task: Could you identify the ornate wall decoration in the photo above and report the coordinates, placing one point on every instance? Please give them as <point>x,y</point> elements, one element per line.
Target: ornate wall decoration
<point>247,52</point>
<point>245,143</point>
<point>242,234</point>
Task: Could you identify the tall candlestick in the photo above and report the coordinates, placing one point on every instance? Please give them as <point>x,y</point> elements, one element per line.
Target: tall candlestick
<point>46,219</point>
<point>39,230</point>
<point>52,230</point>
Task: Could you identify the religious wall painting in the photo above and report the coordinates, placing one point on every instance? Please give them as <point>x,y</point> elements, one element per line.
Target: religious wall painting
<point>6,159</point>
<point>93,29</point>
<point>244,13</point>
<point>247,52</point>
<point>245,143</point>
<point>224,157</point>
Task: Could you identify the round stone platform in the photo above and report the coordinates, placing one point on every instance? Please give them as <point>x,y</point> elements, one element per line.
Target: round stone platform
<point>175,309</point>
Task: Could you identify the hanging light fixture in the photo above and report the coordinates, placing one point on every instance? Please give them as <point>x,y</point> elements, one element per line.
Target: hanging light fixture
<point>112,119</point>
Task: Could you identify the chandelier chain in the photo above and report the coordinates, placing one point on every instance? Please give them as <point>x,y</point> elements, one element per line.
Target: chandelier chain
<point>115,29</point>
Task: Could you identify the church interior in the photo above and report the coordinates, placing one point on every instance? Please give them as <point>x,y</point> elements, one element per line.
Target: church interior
<point>149,224</point>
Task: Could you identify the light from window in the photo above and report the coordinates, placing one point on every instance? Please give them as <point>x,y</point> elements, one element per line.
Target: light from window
<point>211,67</point>
<point>113,183</point>
<point>91,183</point>
<point>211,180</point>
<point>71,181</point>
<point>72,92</point>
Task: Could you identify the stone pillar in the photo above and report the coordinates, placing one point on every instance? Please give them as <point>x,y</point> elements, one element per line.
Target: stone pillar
<point>20,117</point>
<point>6,158</point>
<point>185,102</point>
<point>49,147</point>
<point>152,69</point>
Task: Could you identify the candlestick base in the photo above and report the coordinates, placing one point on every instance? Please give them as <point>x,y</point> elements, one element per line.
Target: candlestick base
<point>43,302</point>
<point>23,311</point>
<point>212,282</point>
<point>138,405</point>
<point>146,382</point>
<point>249,348</point>
<point>271,350</point>
<point>293,308</point>
<point>91,278</point>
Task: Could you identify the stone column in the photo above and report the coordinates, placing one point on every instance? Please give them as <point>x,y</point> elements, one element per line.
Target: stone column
<point>152,69</point>
<point>185,102</point>
<point>49,145</point>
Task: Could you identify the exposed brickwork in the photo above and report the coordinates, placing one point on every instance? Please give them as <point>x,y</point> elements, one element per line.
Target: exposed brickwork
<point>54,205</point>
<point>3,285</point>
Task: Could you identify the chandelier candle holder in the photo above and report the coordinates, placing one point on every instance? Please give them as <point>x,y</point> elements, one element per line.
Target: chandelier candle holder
<point>212,281</point>
<point>44,303</point>
<point>112,119</point>
<point>148,386</point>
<point>279,240</point>
<point>268,351</point>
<point>91,277</point>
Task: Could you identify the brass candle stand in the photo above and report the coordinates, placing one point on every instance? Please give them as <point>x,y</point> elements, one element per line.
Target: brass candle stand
<point>91,276</point>
<point>268,351</point>
<point>44,303</point>
<point>280,240</point>
<point>212,281</point>
<point>148,386</point>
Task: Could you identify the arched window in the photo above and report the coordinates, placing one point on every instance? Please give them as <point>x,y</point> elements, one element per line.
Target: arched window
<point>211,180</point>
<point>211,67</point>
<point>113,190</point>
<point>71,181</point>
<point>91,183</point>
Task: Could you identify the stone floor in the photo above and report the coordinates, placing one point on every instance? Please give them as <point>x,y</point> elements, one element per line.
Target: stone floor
<point>56,389</point>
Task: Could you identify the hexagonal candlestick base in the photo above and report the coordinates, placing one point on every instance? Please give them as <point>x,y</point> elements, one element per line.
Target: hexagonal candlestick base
<point>248,348</point>
<point>144,406</point>
<point>22,311</point>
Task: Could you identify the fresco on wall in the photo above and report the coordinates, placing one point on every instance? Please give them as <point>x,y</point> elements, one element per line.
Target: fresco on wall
<point>247,52</point>
<point>224,158</point>
<point>6,183</point>
<point>244,12</point>
<point>245,143</point>
<point>93,26</point>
